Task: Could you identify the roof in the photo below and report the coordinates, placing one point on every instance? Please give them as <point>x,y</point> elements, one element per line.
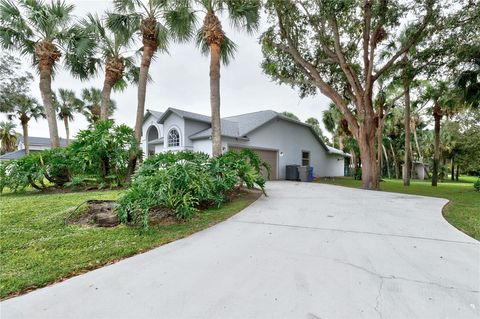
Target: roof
<point>156,141</point>
<point>184,114</point>
<point>333,150</point>
<point>153,113</point>
<point>239,126</point>
<point>40,141</point>
<point>12,155</point>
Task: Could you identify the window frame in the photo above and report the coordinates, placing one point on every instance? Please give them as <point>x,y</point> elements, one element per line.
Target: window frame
<point>178,142</point>
<point>307,159</point>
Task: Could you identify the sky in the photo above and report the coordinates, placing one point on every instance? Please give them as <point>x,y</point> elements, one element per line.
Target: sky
<point>181,80</point>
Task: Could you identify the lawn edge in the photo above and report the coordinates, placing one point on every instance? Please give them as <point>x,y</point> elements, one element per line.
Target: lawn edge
<point>111,262</point>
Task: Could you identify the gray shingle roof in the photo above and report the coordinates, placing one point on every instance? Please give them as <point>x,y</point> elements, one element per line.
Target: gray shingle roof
<point>12,155</point>
<point>228,128</point>
<point>185,114</point>
<point>40,141</point>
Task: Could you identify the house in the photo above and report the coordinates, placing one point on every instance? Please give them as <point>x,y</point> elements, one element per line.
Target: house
<point>36,144</point>
<point>277,139</point>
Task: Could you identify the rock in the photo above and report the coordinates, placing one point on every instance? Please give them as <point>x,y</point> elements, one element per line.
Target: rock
<point>109,219</point>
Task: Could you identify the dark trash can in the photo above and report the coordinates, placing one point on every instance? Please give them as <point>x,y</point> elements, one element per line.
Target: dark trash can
<point>291,173</point>
<point>310,174</point>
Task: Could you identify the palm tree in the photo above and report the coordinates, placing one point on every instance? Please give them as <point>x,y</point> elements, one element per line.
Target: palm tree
<point>211,39</point>
<point>92,98</point>
<point>335,124</point>
<point>469,83</point>
<point>27,108</point>
<point>43,31</point>
<point>8,137</point>
<point>110,53</point>
<point>67,104</point>
<point>157,22</point>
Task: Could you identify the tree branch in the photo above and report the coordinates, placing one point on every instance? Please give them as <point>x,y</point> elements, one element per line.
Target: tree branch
<point>407,45</point>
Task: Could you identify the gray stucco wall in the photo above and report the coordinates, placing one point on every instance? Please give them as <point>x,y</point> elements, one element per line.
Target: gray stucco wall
<point>175,121</point>
<point>192,127</point>
<point>290,139</point>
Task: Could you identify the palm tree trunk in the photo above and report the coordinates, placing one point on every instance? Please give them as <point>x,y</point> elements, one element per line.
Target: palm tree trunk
<point>420,156</point>
<point>386,160</point>
<point>380,141</point>
<point>215,98</point>
<point>457,172</point>
<point>46,91</point>
<point>436,157</point>
<point>67,129</point>
<point>106,92</point>
<point>408,163</point>
<point>395,162</point>
<point>25,137</point>
<point>148,53</point>
<point>452,162</point>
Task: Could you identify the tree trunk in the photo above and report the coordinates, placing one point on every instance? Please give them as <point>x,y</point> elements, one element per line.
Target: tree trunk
<point>420,156</point>
<point>453,168</point>
<point>25,136</point>
<point>437,115</point>
<point>148,52</point>
<point>457,172</point>
<point>408,163</point>
<point>366,143</point>
<point>46,91</point>
<point>395,162</point>
<point>386,160</point>
<point>67,129</point>
<point>149,49</point>
<point>380,141</point>
<point>106,92</point>
<point>215,98</point>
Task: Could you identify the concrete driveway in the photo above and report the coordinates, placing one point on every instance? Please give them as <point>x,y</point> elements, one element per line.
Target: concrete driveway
<point>306,251</point>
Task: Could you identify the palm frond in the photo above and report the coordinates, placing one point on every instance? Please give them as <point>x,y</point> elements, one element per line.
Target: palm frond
<point>227,50</point>
<point>244,14</point>
<point>181,20</point>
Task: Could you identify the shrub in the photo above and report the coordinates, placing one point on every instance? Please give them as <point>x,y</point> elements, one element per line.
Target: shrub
<point>476,185</point>
<point>98,158</point>
<point>183,182</point>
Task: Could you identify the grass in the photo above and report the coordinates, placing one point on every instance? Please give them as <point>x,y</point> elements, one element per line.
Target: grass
<point>463,210</point>
<point>36,248</point>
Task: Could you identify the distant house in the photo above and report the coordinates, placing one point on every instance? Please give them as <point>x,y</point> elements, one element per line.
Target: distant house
<point>277,139</point>
<point>36,144</point>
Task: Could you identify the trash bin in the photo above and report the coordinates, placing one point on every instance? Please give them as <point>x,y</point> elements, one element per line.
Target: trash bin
<point>303,173</point>
<point>310,174</point>
<point>292,173</point>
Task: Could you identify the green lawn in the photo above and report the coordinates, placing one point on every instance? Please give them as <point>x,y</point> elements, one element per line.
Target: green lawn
<point>463,210</point>
<point>36,248</point>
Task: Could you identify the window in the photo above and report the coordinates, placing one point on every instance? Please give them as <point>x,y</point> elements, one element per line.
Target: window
<point>173,138</point>
<point>305,158</point>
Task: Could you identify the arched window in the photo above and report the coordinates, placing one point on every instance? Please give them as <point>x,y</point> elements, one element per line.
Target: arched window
<point>152,133</point>
<point>173,138</point>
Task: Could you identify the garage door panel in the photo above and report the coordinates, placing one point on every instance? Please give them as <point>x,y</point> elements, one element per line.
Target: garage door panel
<point>268,156</point>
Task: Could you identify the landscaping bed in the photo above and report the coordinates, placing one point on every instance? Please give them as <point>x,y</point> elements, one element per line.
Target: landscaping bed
<point>37,248</point>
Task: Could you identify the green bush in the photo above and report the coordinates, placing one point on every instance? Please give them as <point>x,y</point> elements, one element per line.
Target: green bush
<point>183,182</point>
<point>98,158</point>
<point>476,185</point>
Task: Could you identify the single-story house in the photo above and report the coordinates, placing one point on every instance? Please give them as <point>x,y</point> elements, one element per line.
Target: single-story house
<point>36,144</point>
<point>277,139</point>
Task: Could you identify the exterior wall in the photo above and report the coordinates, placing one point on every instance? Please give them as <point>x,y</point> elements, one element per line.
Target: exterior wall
<point>175,121</point>
<point>192,127</point>
<point>290,139</point>
<point>203,146</point>
<point>146,125</point>
<point>334,166</point>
